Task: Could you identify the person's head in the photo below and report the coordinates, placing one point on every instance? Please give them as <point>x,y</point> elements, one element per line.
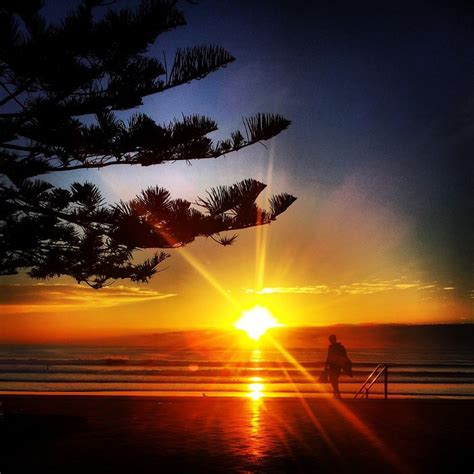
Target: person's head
<point>332,339</point>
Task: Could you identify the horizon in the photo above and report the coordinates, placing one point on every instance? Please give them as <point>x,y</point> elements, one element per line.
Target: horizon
<point>229,331</point>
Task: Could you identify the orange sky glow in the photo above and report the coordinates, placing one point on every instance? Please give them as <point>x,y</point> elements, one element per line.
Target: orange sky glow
<point>352,262</point>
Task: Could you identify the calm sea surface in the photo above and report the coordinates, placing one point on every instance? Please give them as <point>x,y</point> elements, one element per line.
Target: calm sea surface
<point>415,369</point>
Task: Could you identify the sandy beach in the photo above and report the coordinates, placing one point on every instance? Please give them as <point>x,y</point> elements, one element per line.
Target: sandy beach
<point>149,434</point>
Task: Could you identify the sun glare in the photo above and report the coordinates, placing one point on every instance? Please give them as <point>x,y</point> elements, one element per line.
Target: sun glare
<point>256,321</point>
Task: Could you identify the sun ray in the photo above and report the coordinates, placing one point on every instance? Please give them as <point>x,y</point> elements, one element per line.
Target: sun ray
<point>199,267</point>
<point>312,416</point>
<point>262,231</point>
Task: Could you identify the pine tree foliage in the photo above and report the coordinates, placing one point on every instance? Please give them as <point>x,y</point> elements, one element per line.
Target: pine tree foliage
<point>61,87</point>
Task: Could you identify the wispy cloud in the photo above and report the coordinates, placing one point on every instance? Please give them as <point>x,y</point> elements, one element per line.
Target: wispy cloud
<point>357,288</point>
<point>17,298</point>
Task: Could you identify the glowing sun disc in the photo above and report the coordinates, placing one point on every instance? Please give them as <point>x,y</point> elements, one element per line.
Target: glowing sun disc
<point>256,321</point>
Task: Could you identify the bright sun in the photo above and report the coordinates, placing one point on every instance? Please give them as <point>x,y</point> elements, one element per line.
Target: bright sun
<point>256,321</point>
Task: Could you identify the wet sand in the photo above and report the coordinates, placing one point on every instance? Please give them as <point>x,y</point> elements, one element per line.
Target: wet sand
<point>84,434</point>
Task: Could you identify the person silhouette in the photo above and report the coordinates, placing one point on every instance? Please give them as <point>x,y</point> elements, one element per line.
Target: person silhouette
<point>337,361</point>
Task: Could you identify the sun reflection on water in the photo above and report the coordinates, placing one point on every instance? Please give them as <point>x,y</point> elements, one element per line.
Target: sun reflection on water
<point>257,445</point>
<point>256,388</point>
<point>256,356</point>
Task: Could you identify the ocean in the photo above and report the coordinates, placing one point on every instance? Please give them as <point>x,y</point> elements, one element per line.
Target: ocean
<point>423,361</point>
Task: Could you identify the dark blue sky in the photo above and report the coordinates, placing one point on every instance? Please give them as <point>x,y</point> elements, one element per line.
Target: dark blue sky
<point>387,89</point>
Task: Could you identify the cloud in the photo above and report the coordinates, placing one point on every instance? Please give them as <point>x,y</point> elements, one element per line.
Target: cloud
<point>18,298</point>
<point>358,288</point>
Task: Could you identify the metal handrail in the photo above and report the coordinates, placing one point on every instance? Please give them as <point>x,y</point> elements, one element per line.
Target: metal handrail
<point>372,378</point>
<point>368,380</point>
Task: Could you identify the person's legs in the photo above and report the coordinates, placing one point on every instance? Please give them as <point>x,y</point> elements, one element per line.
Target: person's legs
<point>334,379</point>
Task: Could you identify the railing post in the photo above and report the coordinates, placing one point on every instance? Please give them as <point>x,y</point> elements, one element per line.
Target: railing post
<point>367,393</point>
<point>385,382</point>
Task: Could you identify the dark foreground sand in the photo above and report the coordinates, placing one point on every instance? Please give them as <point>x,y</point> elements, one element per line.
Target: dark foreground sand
<point>84,434</point>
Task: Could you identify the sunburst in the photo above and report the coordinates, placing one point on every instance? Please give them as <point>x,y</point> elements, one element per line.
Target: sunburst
<point>256,321</point>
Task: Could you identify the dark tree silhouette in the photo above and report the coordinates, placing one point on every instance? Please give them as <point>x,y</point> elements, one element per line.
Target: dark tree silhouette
<point>53,79</point>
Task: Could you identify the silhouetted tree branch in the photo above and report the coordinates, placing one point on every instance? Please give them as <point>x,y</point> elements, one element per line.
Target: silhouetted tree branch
<point>52,77</point>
